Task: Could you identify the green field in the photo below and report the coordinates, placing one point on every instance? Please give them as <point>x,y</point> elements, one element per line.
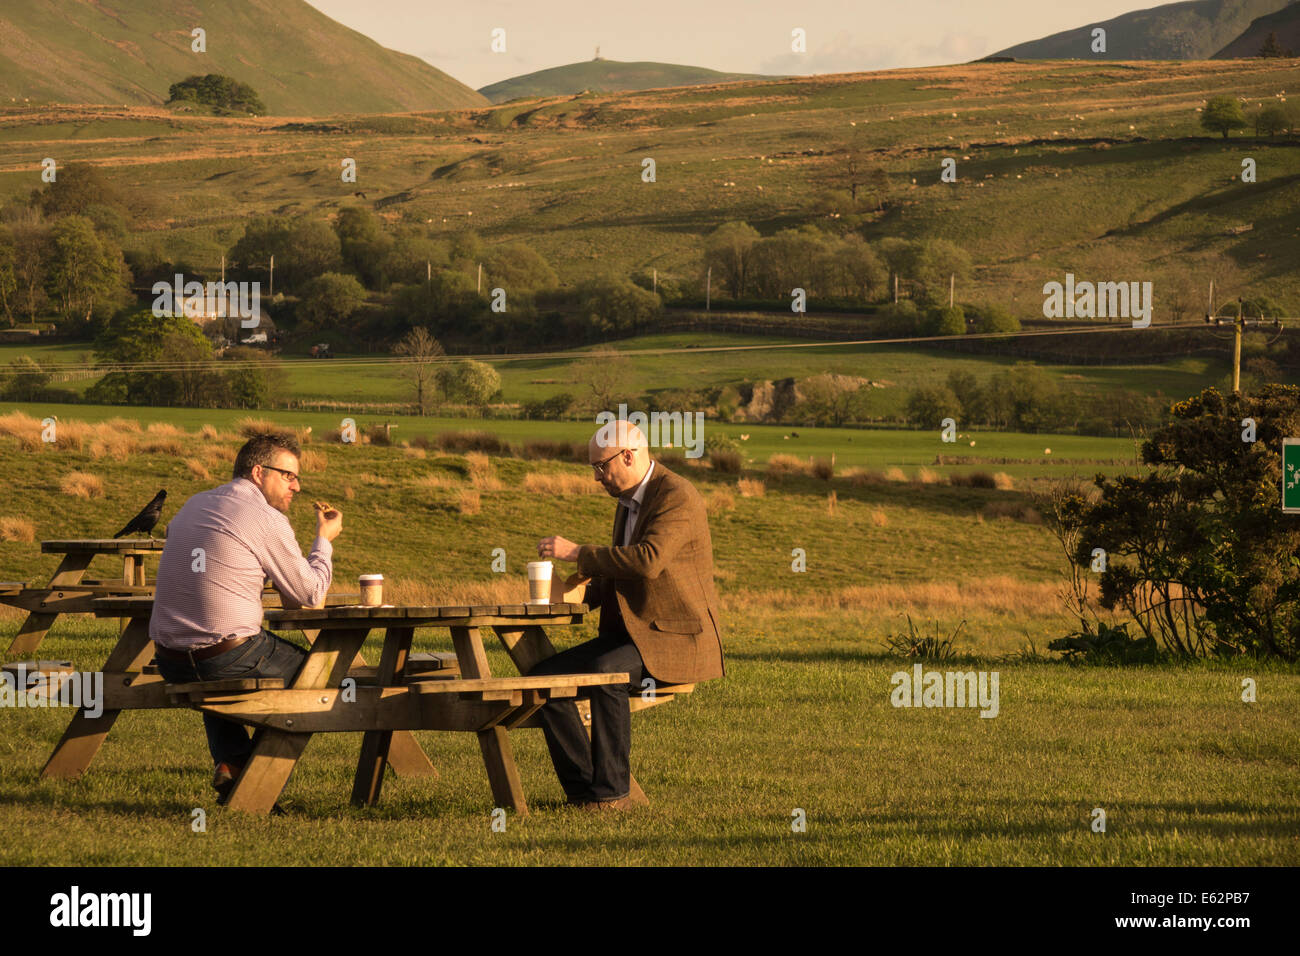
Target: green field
<point>1187,773</point>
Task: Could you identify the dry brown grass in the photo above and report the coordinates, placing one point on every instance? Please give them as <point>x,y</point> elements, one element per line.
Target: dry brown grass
<point>720,501</point>
<point>248,427</point>
<point>197,469</point>
<point>73,436</point>
<point>117,445</point>
<point>879,519</point>
<point>823,468</point>
<point>377,481</point>
<point>410,452</point>
<point>832,503</point>
<point>894,473</point>
<point>82,484</point>
<point>217,455</point>
<point>863,476</point>
<point>162,446</point>
<point>121,424</point>
<point>782,466</point>
<point>165,430</point>
<point>559,483</point>
<point>1000,594</point>
<point>481,473</point>
<point>927,477</point>
<point>469,502</point>
<point>435,479</point>
<point>1004,482</point>
<point>17,529</point>
<point>751,487</point>
<point>208,433</point>
<point>349,492</point>
<point>313,462</point>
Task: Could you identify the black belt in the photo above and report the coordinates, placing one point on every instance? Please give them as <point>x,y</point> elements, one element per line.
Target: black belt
<point>201,653</point>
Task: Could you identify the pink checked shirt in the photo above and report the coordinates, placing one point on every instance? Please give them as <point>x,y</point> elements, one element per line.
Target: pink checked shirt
<point>220,547</point>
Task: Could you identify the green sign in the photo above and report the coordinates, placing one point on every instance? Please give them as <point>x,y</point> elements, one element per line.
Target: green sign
<point>1291,475</point>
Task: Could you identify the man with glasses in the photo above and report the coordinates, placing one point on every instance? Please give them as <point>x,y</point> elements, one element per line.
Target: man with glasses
<point>658,613</point>
<point>207,612</point>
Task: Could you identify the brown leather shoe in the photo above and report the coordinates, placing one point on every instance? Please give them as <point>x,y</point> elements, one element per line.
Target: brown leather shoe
<point>620,803</point>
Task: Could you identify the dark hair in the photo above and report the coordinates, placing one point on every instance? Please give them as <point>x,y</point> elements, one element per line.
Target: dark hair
<point>260,449</point>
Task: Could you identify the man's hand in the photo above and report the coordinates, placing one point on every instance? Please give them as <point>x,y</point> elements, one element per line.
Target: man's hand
<point>329,520</point>
<point>561,549</point>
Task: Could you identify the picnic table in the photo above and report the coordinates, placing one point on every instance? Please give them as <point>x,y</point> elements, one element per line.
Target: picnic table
<point>68,591</point>
<point>385,703</point>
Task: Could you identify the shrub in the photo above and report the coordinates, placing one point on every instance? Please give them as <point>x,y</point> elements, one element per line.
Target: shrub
<point>974,479</point>
<point>895,474</point>
<point>927,477</point>
<point>751,488</point>
<point>82,484</point>
<point>461,442</point>
<point>781,466</point>
<point>823,469</point>
<point>555,451</point>
<point>726,462</point>
<point>1003,482</point>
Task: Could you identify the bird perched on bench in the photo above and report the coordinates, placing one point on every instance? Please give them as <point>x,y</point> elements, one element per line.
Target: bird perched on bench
<point>144,522</point>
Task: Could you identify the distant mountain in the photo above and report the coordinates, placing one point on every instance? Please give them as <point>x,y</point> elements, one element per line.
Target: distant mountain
<point>1193,30</point>
<point>130,51</point>
<point>1285,24</point>
<point>607,76</point>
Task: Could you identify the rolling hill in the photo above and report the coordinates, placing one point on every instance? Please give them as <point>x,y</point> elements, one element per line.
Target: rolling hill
<point>299,60</point>
<point>1285,24</point>
<point>1192,30</point>
<point>606,76</point>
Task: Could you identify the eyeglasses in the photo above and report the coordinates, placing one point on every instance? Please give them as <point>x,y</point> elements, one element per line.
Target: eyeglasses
<point>599,467</point>
<point>289,476</point>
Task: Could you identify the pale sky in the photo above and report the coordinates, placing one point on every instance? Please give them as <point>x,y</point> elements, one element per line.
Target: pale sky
<point>742,36</point>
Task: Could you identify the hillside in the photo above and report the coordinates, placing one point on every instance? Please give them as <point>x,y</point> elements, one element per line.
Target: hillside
<point>1285,24</point>
<point>606,76</point>
<point>297,59</point>
<point>1192,30</point>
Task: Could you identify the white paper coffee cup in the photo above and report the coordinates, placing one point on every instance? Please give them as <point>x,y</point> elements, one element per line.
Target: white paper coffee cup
<point>540,574</point>
<point>372,590</point>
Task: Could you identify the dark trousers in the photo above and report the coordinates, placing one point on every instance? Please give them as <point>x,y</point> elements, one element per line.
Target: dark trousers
<point>265,655</point>
<point>595,769</point>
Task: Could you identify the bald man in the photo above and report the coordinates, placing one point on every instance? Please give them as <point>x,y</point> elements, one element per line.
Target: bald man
<point>658,613</point>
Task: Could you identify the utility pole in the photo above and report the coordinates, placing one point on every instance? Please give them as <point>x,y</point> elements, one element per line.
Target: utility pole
<point>895,288</point>
<point>1236,352</point>
<point>656,278</point>
<point>952,288</point>
<point>708,289</point>
<point>271,291</point>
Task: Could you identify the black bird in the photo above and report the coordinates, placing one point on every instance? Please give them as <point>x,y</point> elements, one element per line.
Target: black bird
<point>143,522</point>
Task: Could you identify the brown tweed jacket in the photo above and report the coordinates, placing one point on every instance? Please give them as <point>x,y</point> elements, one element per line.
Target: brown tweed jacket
<point>663,581</point>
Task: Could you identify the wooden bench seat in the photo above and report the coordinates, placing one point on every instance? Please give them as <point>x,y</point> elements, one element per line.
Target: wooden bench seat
<point>12,586</point>
<point>43,669</point>
<point>219,688</point>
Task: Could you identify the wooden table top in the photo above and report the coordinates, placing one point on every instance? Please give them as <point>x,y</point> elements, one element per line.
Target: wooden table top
<point>104,546</point>
<point>410,614</point>
<point>377,616</point>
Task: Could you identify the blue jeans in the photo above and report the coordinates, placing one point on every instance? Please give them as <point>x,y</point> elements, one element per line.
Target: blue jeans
<point>264,655</point>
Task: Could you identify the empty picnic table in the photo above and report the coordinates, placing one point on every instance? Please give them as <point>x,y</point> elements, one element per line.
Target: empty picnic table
<point>68,591</point>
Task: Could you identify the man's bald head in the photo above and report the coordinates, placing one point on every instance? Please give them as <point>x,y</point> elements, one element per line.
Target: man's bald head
<point>623,448</point>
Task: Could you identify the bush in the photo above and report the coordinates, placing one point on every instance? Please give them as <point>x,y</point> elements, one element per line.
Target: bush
<point>823,469</point>
<point>554,451</point>
<point>461,442</point>
<point>992,318</point>
<point>949,320</point>
<point>929,405</point>
<point>900,319</point>
<point>726,462</point>
<point>781,466</point>
<point>549,409</point>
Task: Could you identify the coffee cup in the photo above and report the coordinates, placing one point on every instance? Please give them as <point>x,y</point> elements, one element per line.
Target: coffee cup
<point>372,590</point>
<point>539,581</point>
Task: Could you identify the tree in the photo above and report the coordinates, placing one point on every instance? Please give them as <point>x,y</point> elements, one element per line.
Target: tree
<point>216,90</point>
<point>726,251</point>
<point>1222,115</point>
<point>328,300</point>
<point>831,400</point>
<point>1271,48</point>
<point>420,352</point>
<point>616,305</point>
<point>413,259</point>
<point>76,187</point>
<point>140,337</point>
<point>929,405</point>
<point>970,396</point>
<point>84,272</point>
<point>311,249</point>
<point>1271,120</point>
<point>31,251</point>
<point>853,269</point>
<point>1198,552</point>
<point>993,318</point>
<point>606,375</point>
<point>937,261</point>
<point>468,381</point>
<point>944,321</point>
<point>518,268</point>
<point>25,381</point>
<point>8,282</point>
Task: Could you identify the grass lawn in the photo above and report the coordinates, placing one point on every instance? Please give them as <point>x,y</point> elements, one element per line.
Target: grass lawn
<point>1186,772</point>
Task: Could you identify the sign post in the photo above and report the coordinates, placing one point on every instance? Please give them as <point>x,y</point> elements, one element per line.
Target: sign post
<point>1291,476</point>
